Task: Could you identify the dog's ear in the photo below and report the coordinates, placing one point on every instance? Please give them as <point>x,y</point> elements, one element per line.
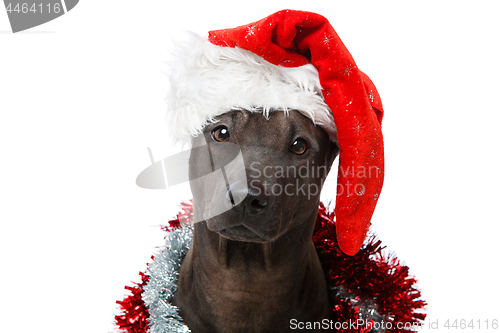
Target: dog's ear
<point>333,152</point>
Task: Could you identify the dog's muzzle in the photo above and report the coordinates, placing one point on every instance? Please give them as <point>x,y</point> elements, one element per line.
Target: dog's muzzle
<point>252,199</point>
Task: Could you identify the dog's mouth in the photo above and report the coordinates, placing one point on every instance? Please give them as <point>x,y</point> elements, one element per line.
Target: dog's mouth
<point>241,233</point>
<point>244,228</point>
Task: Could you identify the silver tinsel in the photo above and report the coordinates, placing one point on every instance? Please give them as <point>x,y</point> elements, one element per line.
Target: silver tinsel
<point>163,274</point>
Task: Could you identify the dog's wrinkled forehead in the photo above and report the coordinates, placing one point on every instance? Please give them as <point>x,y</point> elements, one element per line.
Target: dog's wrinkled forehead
<point>262,122</point>
<point>273,124</point>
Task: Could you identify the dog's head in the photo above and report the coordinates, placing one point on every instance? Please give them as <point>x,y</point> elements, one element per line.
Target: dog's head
<point>285,161</point>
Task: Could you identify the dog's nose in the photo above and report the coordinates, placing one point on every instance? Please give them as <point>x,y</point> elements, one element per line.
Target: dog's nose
<point>250,199</point>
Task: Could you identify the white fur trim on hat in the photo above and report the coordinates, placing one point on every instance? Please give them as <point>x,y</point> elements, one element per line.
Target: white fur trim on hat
<point>208,80</point>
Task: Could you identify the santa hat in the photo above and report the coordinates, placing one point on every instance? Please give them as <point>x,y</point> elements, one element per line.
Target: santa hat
<point>290,60</point>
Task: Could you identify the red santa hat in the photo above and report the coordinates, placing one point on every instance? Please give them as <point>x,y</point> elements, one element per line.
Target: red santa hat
<point>290,60</point>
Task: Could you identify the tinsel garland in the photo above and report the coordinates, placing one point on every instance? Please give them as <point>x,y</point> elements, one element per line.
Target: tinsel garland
<point>135,314</point>
<point>368,286</point>
<point>161,286</point>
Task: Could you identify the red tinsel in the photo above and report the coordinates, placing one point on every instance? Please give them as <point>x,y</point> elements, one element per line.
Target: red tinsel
<point>368,277</point>
<point>184,217</point>
<point>134,318</point>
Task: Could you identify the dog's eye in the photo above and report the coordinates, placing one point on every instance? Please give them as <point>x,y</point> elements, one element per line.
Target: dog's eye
<point>299,146</point>
<point>220,134</point>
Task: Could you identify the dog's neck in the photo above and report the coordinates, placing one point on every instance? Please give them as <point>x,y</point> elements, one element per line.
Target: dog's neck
<point>225,255</point>
<point>235,285</point>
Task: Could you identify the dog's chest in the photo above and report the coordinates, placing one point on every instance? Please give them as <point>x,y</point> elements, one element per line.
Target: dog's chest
<point>258,302</point>
<point>248,309</point>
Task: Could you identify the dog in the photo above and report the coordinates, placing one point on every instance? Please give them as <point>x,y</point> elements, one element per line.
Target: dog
<point>254,268</point>
<point>273,98</point>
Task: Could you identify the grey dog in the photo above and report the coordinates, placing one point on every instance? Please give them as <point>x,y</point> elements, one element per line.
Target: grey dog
<point>254,267</point>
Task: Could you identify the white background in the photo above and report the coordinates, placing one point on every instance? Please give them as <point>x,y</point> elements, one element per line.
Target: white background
<point>82,97</point>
